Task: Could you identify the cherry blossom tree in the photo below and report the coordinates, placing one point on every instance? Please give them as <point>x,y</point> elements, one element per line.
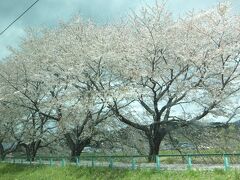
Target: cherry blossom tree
<point>154,72</point>
<point>175,72</point>
<point>52,94</point>
<point>82,118</point>
<point>36,127</point>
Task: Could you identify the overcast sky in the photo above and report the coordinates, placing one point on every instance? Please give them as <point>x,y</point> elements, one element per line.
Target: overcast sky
<point>50,12</point>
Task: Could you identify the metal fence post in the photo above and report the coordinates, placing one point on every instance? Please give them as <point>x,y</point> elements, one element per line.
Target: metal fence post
<point>189,160</point>
<point>93,163</point>
<point>77,161</point>
<point>158,162</point>
<point>111,163</point>
<point>226,162</point>
<point>133,163</point>
<point>51,162</point>
<point>40,161</point>
<point>63,162</point>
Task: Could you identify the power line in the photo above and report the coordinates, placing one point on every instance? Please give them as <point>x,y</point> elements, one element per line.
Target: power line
<point>19,17</point>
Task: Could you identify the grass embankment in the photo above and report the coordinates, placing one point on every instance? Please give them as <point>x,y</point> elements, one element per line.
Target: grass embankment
<point>24,172</point>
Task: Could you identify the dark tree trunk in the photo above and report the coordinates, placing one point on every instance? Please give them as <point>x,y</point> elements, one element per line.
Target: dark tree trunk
<point>2,153</point>
<point>155,137</point>
<point>28,152</point>
<point>3,156</point>
<point>32,149</point>
<point>78,148</point>
<point>7,150</point>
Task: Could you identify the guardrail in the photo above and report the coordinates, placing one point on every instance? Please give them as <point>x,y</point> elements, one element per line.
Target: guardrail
<point>162,161</point>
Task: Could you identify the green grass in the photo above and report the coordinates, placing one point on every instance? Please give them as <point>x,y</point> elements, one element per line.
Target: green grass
<point>24,172</point>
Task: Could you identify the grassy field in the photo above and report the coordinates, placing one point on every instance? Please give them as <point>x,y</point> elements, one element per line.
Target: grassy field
<point>13,171</point>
